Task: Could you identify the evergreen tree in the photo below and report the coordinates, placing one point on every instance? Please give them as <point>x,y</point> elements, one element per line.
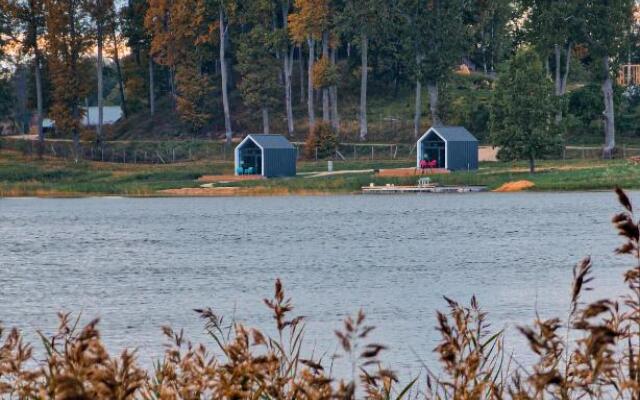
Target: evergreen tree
<point>259,69</point>
<point>522,111</point>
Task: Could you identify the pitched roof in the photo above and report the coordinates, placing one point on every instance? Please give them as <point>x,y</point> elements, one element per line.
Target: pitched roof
<point>454,133</point>
<point>110,115</point>
<point>271,141</point>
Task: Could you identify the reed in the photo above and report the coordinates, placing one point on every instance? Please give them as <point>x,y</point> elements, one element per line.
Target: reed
<point>592,352</point>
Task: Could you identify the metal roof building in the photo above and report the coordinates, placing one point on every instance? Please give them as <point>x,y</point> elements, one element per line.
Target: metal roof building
<point>266,155</point>
<point>452,147</point>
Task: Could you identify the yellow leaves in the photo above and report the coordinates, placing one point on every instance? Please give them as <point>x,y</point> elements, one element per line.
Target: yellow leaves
<point>324,74</point>
<point>310,19</point>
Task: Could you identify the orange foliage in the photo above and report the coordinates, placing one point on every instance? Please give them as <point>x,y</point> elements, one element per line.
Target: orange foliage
<point>310,19</point>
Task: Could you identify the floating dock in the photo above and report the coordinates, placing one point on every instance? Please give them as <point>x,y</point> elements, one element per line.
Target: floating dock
<point>392,189</point>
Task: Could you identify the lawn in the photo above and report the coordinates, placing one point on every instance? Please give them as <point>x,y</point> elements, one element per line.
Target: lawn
<point>24,176</point>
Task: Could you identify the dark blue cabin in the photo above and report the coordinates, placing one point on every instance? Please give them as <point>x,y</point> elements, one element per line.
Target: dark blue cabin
<point>267,155</point>
<point>452,147</point>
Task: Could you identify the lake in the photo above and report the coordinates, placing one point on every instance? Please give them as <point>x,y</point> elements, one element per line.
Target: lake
<point>139,264</point>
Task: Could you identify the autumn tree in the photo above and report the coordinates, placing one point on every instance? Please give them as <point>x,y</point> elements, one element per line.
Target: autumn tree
<point>67,39</point>
<point>522,111</point>
<point>164,47</point>
<point>190,25</point>
<point>308,23</point>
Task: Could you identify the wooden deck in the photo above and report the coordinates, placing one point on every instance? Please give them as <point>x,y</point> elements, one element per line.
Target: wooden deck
<point>392,189</point>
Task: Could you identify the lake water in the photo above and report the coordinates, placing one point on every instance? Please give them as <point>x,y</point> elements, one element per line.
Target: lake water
<point>140,264</point>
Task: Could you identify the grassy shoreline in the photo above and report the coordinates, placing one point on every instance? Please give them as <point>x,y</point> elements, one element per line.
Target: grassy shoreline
<point>22,176</point>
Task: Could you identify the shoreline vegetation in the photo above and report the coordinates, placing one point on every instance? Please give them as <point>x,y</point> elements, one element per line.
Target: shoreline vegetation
<point>24,176</point>
<point>591,352</point>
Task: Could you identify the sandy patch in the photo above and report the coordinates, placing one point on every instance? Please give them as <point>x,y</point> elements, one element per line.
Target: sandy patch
<point>516,186</point>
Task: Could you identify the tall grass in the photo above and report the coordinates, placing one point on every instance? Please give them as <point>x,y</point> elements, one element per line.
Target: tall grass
<point>593,351</point>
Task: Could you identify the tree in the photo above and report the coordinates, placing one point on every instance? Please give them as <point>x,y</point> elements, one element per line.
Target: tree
<point>307,24</point>
<point>103,15</point>
<point>191,29</point>
<point>164,47</point>
<point>442,48</point>
<point>67,39</point>
<point>522,110</point>
<point>27,19</point>
<point>115,56</point>
<point>256,60</point>
<point>491,32</point>
<point>226,9</point>
<point>362,20</point>
<point>553,27</point>
<point>138,40</point>
<point>288,50</point>
<point>605,25</point>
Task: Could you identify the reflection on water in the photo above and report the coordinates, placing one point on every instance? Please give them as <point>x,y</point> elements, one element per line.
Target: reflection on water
<point>143,263</point>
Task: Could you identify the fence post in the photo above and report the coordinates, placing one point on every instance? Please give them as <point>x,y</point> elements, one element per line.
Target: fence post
<point>124,156</point>
<point>173,155</point>
<point>371,152</point>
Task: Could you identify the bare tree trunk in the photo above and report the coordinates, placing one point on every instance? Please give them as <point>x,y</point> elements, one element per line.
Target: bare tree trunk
<point>565,78</point>
<point>172,86</point>
<point>116,60</point>
<point>224,78</point>
<point>265,120</point>
<point>310,105</point>
<point>333,91</point>
<point>301,71</point>
<point>609,113</point>
<point>432,88</point>
<point>152,95</point>
<point>325,91</point>
<point>288,70</point>
<point>363,87</point>
<point>558,79</point>
<point>39,102</point>
<point>100,62</point>
<point>532,164</point>
<point>558,55</point>
<point>418,112</point>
